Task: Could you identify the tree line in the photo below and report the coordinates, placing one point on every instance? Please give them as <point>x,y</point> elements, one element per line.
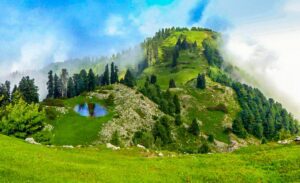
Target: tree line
<point>63,86</point>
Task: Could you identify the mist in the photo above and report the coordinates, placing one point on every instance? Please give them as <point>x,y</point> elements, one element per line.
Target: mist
<point>271,62</point>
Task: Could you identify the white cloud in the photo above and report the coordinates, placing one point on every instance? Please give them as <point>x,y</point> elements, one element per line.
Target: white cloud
<point>115,26</point>
<point>157,17</point>
<point>292,6</point>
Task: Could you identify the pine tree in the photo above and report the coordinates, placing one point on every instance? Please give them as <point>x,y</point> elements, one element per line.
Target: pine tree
<point>238,128</point>
<point>175,57</point>
<point>64,82</point>
<point>112,73</point>
<point>91,80</point>
<point>177,104</point>
<point>153,79</point>
<point>71,92</point>
<point>194,128</point>
<point>57,87</point>
<point>83,83</point>
<point>116,74</point>
<point>129,80</point>
<point>201,83</point>
<point>105,79</point>
<point>172,83</point>
<point>29,90</point>
<point>50,85</point>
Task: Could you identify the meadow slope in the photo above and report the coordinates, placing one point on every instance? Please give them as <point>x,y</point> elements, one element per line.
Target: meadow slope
<point>22,162</point>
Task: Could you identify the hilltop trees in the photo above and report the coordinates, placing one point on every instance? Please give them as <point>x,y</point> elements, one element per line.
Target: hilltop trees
<point>64,86</point>
<point>129,80</point>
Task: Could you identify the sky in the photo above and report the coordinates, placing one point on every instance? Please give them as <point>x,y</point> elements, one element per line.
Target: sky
<point>261,37</point>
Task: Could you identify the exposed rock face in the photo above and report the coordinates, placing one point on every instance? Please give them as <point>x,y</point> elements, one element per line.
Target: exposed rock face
<point>113,147</point>
<point>133,113</point>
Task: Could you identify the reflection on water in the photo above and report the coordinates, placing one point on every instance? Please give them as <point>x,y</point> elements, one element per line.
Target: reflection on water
<point>90,109</point>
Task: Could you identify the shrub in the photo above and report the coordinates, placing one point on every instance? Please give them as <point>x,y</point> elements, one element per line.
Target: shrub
<point>43,137</point>
<point>115,139</point>
<point>211,138</point>
<point>22,119</point>
<point>144,138</point>
<point>50,113</point>
<point>53,102</point>
<point>110,100</point>
<point>204,148</point>
<point>219,107</point>
<point>194,128</point>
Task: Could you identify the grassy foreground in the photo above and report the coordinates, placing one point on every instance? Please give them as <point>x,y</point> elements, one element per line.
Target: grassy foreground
<point>22,162</point>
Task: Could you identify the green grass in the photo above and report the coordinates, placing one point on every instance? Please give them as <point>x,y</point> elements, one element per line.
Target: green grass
<point>22,162</point>
<point>73,129</point>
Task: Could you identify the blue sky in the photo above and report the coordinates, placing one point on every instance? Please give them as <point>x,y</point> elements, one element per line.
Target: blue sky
<point>261,36</point>
<point>44,31</point>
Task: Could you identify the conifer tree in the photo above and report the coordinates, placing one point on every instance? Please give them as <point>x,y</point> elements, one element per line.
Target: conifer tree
<point>194,128</point>
<point>57,87</point>
<point>129,80</point>
<point>71,92</point>
<point>201,83</point>
<point>50,84</point>
<point>112,73</point>
<point>91,79</point>
<point>64,82</point>
<point>177,104</point>
<point>172,83</point>
<point>29,90</point>
<point>105,79</point>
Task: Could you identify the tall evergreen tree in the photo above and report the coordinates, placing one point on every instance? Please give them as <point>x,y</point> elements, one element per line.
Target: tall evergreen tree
<point>175,57</point>
<point>116,74</point>
<point>57,87</point>
<point>177,104</point>
<point>153,79</point>
<point>172,83</point>
<point>83,83</point>
<point>105,79</point>
<point>129,80</point>
<point>64,82</point>
<point>71,92</point>
<point>91,80</point>
<point>194,128</point>
<point>50,86</point>
<point>112,73</point>
<point>238,128</point>
<point>4,94</point>
<point>29,90</point>
<point>77,83</point>
<point>201,83</point>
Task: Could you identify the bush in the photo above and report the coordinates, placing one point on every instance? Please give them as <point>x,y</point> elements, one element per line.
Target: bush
<point>110,100</point>
<point>211,138</point>
<point>178,121</point>
<point>53,102</point>
<point>144,138</point>
<point>50,113</point>
<point>194,128</point>
<point>219,107</point>
<point>43,137</point>
<point>22,119</point>
<point>115,139</point>
<point>204,148</point>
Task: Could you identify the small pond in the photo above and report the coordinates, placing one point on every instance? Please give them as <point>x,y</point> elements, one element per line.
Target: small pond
<point>90,110</point>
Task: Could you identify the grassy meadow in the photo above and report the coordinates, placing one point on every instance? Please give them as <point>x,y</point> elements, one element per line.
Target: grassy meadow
<point>22,162</point>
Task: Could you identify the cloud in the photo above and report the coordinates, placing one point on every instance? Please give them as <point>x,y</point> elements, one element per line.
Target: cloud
<point>178,13</point>
<point>292,6</point>
<point>115,26</point>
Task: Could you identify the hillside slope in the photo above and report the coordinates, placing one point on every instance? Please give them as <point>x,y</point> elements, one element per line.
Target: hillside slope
<point>22,162</point>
